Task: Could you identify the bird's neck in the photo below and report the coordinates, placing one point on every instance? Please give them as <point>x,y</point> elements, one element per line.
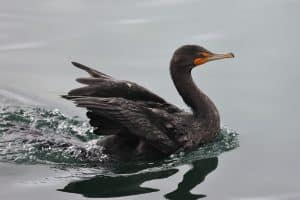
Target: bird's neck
<point>200,104</point>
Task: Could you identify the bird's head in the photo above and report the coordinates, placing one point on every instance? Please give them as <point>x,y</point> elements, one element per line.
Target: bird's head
<point>190,56</point>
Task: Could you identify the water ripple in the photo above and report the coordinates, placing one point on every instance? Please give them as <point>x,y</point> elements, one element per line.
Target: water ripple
<point>21,46</point>
<point>33,135</point>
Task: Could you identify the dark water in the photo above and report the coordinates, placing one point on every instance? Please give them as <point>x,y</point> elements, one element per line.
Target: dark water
<point>257,95</point>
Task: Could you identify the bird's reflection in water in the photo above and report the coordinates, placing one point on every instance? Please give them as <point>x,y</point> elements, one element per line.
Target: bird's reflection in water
<point>124,185</point>
<point>195,176</point>
<point>116,186</point>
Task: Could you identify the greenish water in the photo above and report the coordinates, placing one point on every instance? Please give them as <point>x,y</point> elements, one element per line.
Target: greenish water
<point>256,94</point>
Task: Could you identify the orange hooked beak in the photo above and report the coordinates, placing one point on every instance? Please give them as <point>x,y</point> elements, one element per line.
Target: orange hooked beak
<point>206,57</point>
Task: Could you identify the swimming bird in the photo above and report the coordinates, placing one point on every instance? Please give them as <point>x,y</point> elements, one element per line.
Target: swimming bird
<point>142,122</point>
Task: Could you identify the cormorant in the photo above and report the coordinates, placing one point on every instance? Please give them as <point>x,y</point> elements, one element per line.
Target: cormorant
<point>142,123</point>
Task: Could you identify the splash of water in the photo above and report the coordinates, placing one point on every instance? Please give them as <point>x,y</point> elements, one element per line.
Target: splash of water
<point>36,135</point>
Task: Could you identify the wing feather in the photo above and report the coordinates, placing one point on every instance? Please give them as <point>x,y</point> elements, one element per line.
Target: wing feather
<point>129,115</point>
<point>94,73</point>
<point>103,85</point>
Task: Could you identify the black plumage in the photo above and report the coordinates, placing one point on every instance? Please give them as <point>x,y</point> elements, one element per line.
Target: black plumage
<point>145,122</point>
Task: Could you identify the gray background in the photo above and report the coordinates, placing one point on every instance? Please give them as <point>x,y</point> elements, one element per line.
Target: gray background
<point>257,93</point>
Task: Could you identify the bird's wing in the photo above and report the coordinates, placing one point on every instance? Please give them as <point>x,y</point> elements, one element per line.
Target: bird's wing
<point>102,85</point>
<point>108,89</point>
<point>130,115</point>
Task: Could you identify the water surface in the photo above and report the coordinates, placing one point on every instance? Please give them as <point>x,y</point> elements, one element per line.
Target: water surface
<point>256,93</point>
